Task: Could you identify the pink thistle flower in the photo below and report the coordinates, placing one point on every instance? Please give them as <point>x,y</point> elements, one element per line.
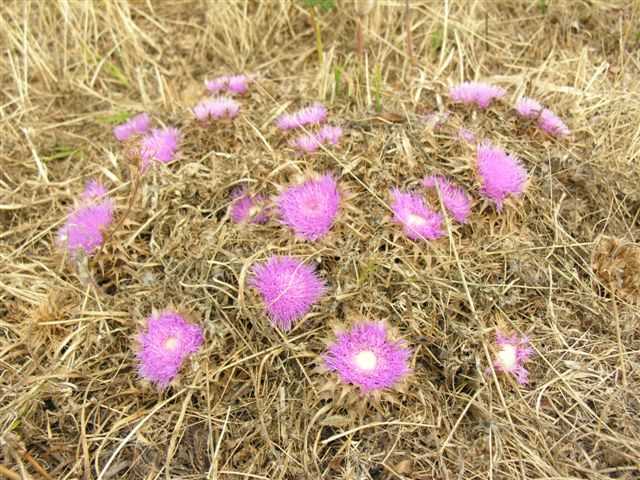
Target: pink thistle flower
<point>168,341</point>
<point>288,289</point>
<point>330,134</point>
<point>93,190</point>
<point>482,94</point>
<point>365,357</point>
<point>160,146</point>
<point>312,115</point>
<point>136,125</point>
<point>547,120</point>
<point>85,226</point>
<point>528,108</point>
<point>311,207</point>
<point>238,84</point>
<point>501,174</point>
<point>306,143</point>
<point>311,142</point>
<point>248,208</point>
<point>454,198</point>
<point>466,135</point>
<point>216,108</point>
<point>217,84</point>
<point>418,221</point>
<point>513,352</point>
<point>552,124</point>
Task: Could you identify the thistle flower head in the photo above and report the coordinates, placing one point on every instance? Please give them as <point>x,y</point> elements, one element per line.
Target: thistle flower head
<point>330,134</point>
<point>482,94</point>
<point>312,115</point>
<point>288,289</point>
<point>216,108</point>
<point>552,124</point>
<point>501,174</point>
<point>167,342</point>
<point>513,352</point>
<point>546,119</point>
<point>306,143</point>
<point>93,190</point>
<point>528,107</point>
<point>160,146</point>
<point>367,358</point>
<point>137,125</point>
<point>85,226</point>
<point>238,84</point>
<point>217,84</point>
<point>247,208</point>
<point>418,221</point>
<point>311,207</point>
<point>311,142</point>
<point>454,198</point>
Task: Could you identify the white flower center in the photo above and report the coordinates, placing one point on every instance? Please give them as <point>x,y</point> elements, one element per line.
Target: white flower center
<point>311,204</point>
<point>366,360</point>
<point>171,343</point>
<point>416,220</point>
<point>253,211</point>
<point>507,357</point>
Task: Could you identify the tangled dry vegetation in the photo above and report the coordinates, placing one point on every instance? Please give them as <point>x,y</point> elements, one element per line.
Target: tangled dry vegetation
<point>249,404</point>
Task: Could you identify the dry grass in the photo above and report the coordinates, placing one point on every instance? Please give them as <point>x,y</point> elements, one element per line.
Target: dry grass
<point>249,406</point>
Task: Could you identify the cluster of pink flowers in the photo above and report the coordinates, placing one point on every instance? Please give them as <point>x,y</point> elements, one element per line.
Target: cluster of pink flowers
<point>150,145</point>
<point>85,227</point>
<point>309,208</point>
<point>216,108</point>
<point>365,356</point>
<point>422,222</point>
<point>314,115</point>
<point>547,120</point>
<point>220,106</point>
<point>231,84</point>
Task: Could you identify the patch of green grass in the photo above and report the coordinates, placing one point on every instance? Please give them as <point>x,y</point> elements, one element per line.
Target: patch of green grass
<point>337,79</point>
<point>377,88</point>
<point>543,6</point>
<point>323,5</point>
<point>114,71</point>
<point>61,152</point>
<point>115,118</point>
<point>437,39</point>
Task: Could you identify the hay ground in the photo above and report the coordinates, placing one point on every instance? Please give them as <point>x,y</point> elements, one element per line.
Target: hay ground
<point>249,404</point>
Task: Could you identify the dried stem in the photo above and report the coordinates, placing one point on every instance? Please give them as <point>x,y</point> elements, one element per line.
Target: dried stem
<point>409,33</point>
